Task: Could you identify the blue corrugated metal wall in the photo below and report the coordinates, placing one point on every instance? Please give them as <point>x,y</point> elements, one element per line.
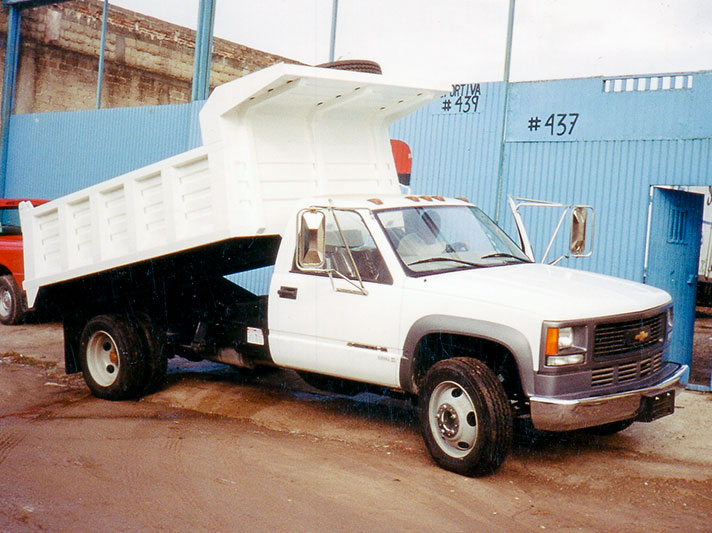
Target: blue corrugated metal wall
<point>456,143</point>
<point>606,148</point>
<point>595,141</point>
<point>613,176</point>
<point>52,154</point>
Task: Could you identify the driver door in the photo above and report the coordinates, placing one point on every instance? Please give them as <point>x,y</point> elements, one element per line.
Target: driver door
<point>357,305</point>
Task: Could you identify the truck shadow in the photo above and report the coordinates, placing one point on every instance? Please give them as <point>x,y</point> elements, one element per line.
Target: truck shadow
<point>271,386</point>
<point>266,388</point>
<point>553,447</point>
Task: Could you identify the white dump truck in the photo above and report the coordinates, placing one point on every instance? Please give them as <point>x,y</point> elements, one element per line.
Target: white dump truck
<point>421,296</point>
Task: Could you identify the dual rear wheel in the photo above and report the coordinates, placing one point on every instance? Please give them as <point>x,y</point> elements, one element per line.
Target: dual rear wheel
<point>121,357</point>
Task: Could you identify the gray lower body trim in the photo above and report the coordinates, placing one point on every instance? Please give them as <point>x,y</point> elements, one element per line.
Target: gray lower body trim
<point>556,414</point>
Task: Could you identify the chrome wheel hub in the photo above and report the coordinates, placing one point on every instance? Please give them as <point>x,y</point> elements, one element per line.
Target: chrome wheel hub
<point>448,421</point>
<point>453,419</point>
<point>103,358</point>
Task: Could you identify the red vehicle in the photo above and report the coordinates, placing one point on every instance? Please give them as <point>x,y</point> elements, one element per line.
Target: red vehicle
<point>12,269</point>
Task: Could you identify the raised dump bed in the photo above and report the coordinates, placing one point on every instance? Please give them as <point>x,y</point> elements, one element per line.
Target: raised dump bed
<point>270,138</point>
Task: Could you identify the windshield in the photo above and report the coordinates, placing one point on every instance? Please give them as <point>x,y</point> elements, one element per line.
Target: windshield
<point>9,221</point>
<point>431,240</point>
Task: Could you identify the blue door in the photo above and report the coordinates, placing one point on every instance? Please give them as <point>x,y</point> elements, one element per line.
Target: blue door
<point>675,232</point>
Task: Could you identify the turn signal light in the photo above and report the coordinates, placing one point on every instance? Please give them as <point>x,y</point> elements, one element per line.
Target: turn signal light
<point>552,341</point>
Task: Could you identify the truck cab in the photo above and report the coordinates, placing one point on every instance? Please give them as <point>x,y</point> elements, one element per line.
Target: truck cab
<point>428,296</point>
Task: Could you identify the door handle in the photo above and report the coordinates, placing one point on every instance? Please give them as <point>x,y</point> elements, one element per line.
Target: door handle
<point>692,279</point>
<point>289,293</point>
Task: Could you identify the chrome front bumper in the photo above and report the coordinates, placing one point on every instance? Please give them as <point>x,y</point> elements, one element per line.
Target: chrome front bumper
<point>556,414</point>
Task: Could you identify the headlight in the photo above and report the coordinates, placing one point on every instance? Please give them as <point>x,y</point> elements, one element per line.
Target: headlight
<point>563,360</point>
<point>669,317</point>
<point>565,346</point>
<point>566,338</point>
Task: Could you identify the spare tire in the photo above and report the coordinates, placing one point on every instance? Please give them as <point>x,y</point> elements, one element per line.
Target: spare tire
<point>355,65</point>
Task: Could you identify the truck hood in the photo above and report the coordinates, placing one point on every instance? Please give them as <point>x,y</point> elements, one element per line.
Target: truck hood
<point>551,292</point>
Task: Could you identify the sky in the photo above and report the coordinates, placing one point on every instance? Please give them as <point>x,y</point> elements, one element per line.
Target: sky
<point>461,41</point>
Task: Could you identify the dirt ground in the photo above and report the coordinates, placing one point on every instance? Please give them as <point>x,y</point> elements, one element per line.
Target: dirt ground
<point>219,449</point>
<point>701,371</point>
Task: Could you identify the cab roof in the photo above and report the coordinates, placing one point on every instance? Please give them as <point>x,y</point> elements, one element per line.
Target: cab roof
<point>378,202</point>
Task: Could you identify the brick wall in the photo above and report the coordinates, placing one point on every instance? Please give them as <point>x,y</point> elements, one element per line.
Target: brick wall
<point>147,61</point>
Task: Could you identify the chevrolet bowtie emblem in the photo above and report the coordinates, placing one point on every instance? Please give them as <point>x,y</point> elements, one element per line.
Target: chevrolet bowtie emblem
<point>642,335</point>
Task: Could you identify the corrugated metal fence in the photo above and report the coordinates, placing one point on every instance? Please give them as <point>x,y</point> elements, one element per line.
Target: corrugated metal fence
<point>456,143</point>
<point>52,154</point>
<point>597,141</point>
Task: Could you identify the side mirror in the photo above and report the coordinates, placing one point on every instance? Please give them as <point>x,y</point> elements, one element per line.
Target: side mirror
<point>311,246</point>
<point>579,224</point>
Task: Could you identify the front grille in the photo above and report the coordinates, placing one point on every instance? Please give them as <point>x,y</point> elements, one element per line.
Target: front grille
<point>617,338</point>
<point>626,371</point>
<point>601,377</point>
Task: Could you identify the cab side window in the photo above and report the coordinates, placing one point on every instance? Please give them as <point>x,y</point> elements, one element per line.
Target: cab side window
<point>358,242</point>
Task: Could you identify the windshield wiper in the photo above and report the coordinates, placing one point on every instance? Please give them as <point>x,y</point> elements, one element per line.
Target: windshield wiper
<point>437,259</point>
<point>502,254</point>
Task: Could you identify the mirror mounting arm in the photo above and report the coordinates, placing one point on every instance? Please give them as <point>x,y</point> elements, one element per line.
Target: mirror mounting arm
<point>360,285</point>
<point>311,249</point>
<point>579,223</point>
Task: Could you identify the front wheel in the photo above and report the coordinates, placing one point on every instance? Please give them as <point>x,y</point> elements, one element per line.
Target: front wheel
<point>465,417</point>
<point>12,301</point>
<point>110,354</point>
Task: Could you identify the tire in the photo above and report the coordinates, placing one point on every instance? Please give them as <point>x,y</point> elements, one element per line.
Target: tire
<point>155,361</point>
<point>12,301</point>
<point>465,418</point>
<point>354,65</point>
<point>111,358</point>
<point>609,429</point>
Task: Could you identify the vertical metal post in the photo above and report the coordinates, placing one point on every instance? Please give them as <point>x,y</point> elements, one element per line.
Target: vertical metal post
<point>334,14</point>
<point>507,60</point>
<point>198,54</point>
<point>100,76</point>
<point>203,50</point>
<point>12,54</point>
<point>210,15</point>
<point>508,49</point>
